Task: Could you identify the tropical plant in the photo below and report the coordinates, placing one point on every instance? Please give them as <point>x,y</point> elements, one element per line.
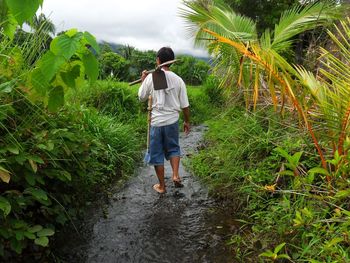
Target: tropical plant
<point>255,64</point>
<point>330,90</point>
<point>265,13</point>
<point>70,58</point>
<point>15,12</point>
<point>42,23</point>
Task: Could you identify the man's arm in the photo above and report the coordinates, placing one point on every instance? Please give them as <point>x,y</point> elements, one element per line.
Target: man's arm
<point>144,91</point>
<point>187,127</point>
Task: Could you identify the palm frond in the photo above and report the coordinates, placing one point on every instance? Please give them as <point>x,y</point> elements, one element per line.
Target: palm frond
<point>297,20</point>
<point>218,18</point>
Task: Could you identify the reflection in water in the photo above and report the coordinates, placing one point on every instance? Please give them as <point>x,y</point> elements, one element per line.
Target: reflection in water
<point>183,225</point>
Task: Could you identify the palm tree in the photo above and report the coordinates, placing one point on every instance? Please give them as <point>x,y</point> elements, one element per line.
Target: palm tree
<point>330,89</point>
<point>43,24</point>
<point>247,60</point>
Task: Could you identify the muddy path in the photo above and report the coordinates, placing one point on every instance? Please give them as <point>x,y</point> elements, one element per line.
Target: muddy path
<point>138,225</point>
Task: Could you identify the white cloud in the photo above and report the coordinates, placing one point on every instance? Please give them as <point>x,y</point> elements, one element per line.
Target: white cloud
<point>143,24</point>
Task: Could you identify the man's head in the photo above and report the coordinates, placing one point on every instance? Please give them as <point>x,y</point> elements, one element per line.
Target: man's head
<point>165,54</point>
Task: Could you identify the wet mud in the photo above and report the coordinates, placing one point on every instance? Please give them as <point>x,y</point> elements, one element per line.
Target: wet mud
<point>136,224</point>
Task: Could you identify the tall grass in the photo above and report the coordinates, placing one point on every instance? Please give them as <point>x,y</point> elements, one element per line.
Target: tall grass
<point>265,166</point>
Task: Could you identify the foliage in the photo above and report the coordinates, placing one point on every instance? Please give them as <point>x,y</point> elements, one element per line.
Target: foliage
<point>215,93</point>
<point>51,167</point>
<point>53,155</point>
<point>265,13</point>
<point>63,66</point>
<point>16,12</point>
<point>42,23</point>
<point>330,91</point>
<point>244,151</point>
<point>193,71</point>
<point>111,98</point>
<point>114,66</point>
<point>141,60</point>
<point>255,63</point>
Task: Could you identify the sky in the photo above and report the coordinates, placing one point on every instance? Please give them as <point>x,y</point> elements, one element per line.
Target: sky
<point>145,25</point>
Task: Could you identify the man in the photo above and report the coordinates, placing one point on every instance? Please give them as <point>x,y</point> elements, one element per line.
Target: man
<point>169,98</point>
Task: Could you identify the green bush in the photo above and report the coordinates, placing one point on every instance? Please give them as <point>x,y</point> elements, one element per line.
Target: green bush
<point>213,90</point>
<point>111,98</point>
<point>192,70</point>
<point>270,169</point>
<point>114,66</point>
<point>53,163</point>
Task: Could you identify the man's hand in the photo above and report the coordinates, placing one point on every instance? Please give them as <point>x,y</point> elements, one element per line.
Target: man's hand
<point>187,128</point>
<point>144,75</point>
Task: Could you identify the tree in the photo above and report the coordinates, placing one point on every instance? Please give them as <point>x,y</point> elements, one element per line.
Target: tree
<point>265,13</point>
<point>114,65</point>
<point>141,60</point>
<point>252,62</point>
<point>127,51</point>
<point>43,24</point>
<point>192,70</point>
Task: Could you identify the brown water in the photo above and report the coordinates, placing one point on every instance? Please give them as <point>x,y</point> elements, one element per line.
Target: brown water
<point>136,224</point>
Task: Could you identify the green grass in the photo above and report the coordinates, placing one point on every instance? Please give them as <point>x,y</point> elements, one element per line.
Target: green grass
<point>240,159</point>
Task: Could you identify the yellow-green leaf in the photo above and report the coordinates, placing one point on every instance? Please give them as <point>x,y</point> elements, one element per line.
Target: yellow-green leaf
<point>4,175</point>
<point>33,165</point>
<point>42,241</point>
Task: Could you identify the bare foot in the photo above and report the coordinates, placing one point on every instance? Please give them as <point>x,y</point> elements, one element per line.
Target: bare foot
<point>177,182</point>
<point>158,189</point>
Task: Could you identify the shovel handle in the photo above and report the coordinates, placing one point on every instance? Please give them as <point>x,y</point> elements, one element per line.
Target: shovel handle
<point>140,80</point>
<point>150,71</point>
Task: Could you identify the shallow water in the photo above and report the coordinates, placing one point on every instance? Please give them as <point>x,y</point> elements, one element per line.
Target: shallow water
<point>138,225</point>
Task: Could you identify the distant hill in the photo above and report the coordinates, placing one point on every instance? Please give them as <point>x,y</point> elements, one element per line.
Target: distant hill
<point>116,48</point>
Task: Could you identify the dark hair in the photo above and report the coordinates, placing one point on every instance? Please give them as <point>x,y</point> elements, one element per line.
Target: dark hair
<point>165,54</point>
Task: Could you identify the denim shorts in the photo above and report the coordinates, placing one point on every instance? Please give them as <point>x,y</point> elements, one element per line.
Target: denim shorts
<point>164,143</point>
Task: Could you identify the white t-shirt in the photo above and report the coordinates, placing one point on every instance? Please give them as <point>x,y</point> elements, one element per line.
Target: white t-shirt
<point>166,104</point>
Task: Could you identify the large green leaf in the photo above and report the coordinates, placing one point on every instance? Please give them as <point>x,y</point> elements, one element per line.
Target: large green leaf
<point>47,67</point>
<point>70,75</point>
<point>91,40</point>
<point>5,205</point>
<point>10,26</point>
<point>23,10</point>
<point>56,98</point>
<point>65,45</point>
<point>91,66</point>
<point>39,82</point>
<point>49,64</point>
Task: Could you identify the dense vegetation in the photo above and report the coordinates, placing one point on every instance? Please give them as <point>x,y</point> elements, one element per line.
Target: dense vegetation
<point>63,135</point>
<point>279,147</point>
<point>126,64</point>
<point>289,166</point>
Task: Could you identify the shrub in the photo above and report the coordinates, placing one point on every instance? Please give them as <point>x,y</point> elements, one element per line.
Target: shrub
<point>213,90</point>
<point>193,71</point>
<point>52,163</point>
<point>114,65</point>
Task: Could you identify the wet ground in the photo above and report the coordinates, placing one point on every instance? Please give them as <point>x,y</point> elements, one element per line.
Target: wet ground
<point>139,225</point>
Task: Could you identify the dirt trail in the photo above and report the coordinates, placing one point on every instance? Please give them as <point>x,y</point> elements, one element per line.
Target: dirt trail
<point>138,225</point>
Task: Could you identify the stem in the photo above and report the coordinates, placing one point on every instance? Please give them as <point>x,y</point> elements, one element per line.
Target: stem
<point>343,130</point>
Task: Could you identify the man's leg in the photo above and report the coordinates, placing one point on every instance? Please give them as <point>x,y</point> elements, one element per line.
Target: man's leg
<point>175,163</point>
<point>160,188</point>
